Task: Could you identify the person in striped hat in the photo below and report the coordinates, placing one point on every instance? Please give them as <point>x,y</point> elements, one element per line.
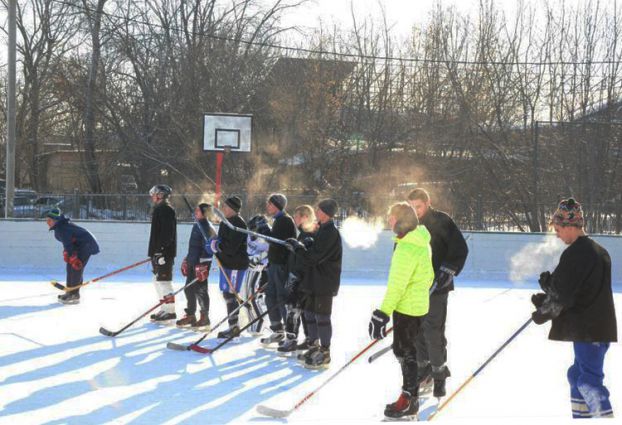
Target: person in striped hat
<point>578,300</point>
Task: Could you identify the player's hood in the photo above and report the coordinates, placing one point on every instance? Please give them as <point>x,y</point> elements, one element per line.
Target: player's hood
<point>419,237</point>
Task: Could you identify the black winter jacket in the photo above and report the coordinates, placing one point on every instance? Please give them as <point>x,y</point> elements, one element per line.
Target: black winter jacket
<point>448,245</point>
<point>283,228</point>
<point>232,245</point>
<point>322,262</point>
<point>163,235</point>
<point>581,283</point>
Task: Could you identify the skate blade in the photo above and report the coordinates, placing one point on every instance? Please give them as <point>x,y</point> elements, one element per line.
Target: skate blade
<point>408,418</point>
<point>316,367</point>
<point>72,302</point>
<point>285,353</point>
<point>204,329</point>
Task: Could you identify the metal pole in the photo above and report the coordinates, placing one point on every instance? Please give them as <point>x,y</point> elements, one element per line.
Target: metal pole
<point>536,216</point>
<point>10,143</point>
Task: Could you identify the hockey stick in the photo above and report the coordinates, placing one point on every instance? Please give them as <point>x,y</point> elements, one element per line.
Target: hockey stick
<point>227,223</point>
<point>465,383</point>
<point>181,347</point>
<point>379,353</point>
<point>106,332</point>
<point>73,288</point>
<point>206,238</point>
<point>204,350</point>
<point>385,350</point>
<point>276,413</point>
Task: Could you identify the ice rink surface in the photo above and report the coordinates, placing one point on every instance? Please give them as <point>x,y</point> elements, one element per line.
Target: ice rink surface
<point>56,368</point>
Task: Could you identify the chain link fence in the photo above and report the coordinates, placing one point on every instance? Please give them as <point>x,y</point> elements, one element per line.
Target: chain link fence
<point>476,215</point>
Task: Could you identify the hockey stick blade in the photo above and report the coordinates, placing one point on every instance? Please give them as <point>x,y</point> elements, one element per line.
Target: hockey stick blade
<point>106,332</point>
<point>199,349</point>
<point>58,285</point>
<point>177,347</point>
<point>273,413</point>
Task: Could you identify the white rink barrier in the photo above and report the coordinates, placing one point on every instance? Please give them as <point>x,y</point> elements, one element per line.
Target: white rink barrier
<point>26,246</point>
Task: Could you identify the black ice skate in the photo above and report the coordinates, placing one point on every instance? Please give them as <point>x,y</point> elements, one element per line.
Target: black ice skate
<point>69,298</point>
<point>232,332</point>
<point>312,347</point>
<point>404,409</point>
<point>162,316</point>
<point>287,347</point>
<point>273,339</point>
<point>319,359</point>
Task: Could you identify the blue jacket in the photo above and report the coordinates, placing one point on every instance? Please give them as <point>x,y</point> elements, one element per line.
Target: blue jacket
<point>196,244</point>
<point>75,239</point>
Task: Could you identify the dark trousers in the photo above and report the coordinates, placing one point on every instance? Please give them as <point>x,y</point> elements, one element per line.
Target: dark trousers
<point>431,342</point>
<point>589,398</point>
<point>75,277</point>
<point>275,294</point>
<point>196,292</point>
<point>406,329</point>
<point>317,312</point>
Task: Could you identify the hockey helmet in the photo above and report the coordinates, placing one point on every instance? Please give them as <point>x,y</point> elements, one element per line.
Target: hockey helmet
<point>161,189</point>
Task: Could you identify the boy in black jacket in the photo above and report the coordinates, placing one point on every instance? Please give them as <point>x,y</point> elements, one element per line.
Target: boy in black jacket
<point>230,247</point>
<point>163,249</point>
<point>320,283</point>
<point>196,265</point>
<point>283,228</point>
<point>578,299</point>
<point>307,225</point>
<point>449,253</point>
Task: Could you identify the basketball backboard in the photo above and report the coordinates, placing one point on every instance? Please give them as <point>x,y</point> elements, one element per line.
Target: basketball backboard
<point>227,131</point>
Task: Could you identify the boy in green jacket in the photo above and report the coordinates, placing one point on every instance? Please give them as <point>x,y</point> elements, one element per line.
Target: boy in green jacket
<point>407,298</point>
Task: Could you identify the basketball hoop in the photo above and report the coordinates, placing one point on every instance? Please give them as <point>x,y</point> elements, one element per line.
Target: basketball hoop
<point>227,150</point>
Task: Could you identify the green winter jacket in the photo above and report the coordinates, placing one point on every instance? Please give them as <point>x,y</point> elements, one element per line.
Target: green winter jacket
<point>410,276</point>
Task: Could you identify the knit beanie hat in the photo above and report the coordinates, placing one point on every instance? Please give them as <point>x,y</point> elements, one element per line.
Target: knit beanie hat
<point>55,214</point>
<point>568,213</point>
<point>328,206</point>
<point>234,203</point>
<point>278,200</point>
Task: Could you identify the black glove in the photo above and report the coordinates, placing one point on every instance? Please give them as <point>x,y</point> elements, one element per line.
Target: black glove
<point>546,281</point>
<point>445,277</point>
<point>378,325</point>
<point>538,299</point>
<point>308,242</point>
<point>549,310</point>
<point>292,282</point>
<point>293,245</point>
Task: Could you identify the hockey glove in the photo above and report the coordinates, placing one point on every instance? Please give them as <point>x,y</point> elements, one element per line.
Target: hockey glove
<point>201,272</point>
<point>292,282</point>
<point>308,242</point>
<point>294,245</point>
<point>212,246</point>
<point>538,299</point>
<point>445,277</point>
<point>378,325</point>
<point>546,281</point>
<point>184,267</point>
<point>75,262</point>
<point>549,310</point>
